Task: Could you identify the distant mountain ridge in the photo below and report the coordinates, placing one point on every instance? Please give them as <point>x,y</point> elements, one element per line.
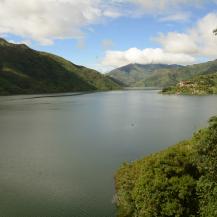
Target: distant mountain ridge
<point>26,71</point>
<point>133,73</point>
<point>160,75</point>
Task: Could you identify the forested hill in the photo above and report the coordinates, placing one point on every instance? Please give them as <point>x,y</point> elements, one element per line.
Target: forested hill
<point>26,71</point>
<point>159,75</point>
<point>132,74</point>
<point>198,85</point>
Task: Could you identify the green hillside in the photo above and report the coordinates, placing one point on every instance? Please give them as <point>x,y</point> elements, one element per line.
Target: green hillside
<point>178,182</point>
<point>198,85</point>
<point>161,75</point>
<point>26,71</point>
<point>133,74</point>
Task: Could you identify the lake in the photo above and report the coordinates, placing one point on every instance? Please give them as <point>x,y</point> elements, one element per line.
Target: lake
<point>58,155</point>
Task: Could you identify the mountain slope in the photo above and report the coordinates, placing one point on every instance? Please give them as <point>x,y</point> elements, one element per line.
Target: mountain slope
<point>198,85</point>
<point>132,74</point>
<point>164,76</point>
<point>167,78</point>
<point>26,71</point>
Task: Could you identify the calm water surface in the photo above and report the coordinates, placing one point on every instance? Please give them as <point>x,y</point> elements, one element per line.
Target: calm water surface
<point>58,155</point>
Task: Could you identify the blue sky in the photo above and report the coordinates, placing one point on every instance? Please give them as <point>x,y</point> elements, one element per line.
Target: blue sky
<point>108,34</point>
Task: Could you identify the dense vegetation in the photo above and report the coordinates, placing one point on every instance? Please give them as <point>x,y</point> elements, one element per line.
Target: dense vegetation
<point>198,85</point>
<point>159,75</point>
<point>178,182</point>
<point>23,70</point>
<point>134,74</point>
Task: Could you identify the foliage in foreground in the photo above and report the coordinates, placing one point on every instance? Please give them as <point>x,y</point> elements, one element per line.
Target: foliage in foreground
<point>178,182</point>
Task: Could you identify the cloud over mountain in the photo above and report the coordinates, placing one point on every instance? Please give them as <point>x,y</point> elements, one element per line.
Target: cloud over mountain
<point>176,47</point>
<point>149,55</point>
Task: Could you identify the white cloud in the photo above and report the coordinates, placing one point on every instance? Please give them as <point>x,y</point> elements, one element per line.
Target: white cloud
<point>46,20</point>
<point>197,41</point>
<point>180,16</point>
<point>165,5</point>
<point>174,42</point>
<point>149,55</point>
<point>166,10</point>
